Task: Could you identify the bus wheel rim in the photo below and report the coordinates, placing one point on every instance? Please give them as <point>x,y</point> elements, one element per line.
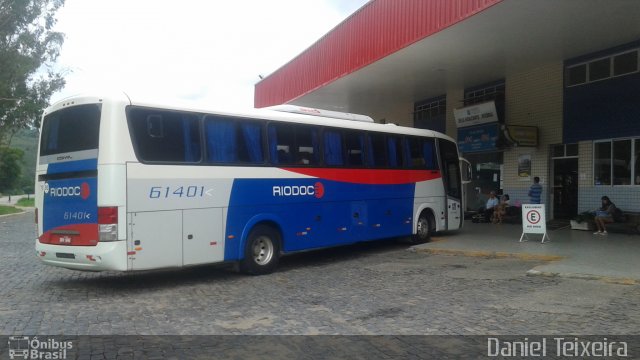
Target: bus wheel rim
<point>423,227</point>
<point>263,250</point>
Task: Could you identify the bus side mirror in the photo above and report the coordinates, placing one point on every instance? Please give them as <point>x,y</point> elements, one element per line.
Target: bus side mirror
<point>465,170</point>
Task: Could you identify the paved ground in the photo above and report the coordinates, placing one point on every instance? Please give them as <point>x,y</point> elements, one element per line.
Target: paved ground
<point>578,254</point>
<point>380,289</point>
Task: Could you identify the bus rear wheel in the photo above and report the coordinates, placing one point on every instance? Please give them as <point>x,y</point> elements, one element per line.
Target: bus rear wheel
<point>424,229</point>
<point>262,251</point>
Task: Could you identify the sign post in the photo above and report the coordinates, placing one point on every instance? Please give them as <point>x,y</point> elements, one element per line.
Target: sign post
<point>533,221</point>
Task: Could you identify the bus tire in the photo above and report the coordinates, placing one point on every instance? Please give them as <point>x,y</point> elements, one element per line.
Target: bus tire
<point>261,251</point>
<point>424,228</point>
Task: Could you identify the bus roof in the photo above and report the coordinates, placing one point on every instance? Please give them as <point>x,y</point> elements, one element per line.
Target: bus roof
<point>320,118</point>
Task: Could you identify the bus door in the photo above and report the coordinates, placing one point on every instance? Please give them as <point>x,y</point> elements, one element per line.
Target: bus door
<point>452,183</point>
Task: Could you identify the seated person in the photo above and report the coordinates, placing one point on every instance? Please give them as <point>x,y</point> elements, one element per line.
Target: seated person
<point>604,215</point>
<point>501,209</point>
<point>489,208</point>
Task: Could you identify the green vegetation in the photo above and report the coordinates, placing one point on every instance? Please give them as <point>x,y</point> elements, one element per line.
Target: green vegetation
<point>25,140</point>
<point>5,210</point>
<point>28,51</point>
<point>24,202</point>
<point>29,48</point>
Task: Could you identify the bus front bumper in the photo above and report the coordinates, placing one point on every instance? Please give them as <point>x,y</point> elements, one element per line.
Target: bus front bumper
<point>102,257</point>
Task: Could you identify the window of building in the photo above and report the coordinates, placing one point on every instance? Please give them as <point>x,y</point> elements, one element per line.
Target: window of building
<point>577,75</point>
<point>636,161</point>
<point>625,63</point>
<point>431,114</point>
<point>603,68</point>
<point>621,162</point>
<point>564,150</point>
<point>493,92</point>
<point>600,69</point>
<point>616,162</point>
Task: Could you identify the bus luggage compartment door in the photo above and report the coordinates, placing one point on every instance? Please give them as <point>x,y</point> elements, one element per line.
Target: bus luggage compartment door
<point>155,240</point>
<point>202,239</point>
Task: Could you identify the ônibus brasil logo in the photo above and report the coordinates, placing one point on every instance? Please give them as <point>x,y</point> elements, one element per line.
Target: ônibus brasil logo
<point>23,347</point>
<point>316,190</point>
<point>83,190</point>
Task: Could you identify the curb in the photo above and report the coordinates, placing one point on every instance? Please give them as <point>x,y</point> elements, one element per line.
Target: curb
<point>488,254</point>
<point>13,214</point>
<point>607,279</point>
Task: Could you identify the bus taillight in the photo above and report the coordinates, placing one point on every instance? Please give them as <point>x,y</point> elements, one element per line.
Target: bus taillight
<point>108,223</point>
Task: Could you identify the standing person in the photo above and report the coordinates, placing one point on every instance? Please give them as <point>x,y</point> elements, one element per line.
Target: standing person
<point>604,215</point>
<point>535,191</point>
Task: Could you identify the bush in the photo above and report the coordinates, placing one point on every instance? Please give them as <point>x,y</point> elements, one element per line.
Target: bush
<point>26,202</point>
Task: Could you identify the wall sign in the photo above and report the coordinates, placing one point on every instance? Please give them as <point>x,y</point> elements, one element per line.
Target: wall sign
<point>525,136</point>
<point>524,166</point>
<point>476,114</point>
<point>478,138</point>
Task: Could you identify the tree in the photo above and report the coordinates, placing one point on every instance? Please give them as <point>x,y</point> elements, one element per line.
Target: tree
<point>9,168</point>
<point>28,50</point>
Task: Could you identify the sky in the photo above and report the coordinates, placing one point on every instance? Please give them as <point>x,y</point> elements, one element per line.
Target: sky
<point>205,51</point>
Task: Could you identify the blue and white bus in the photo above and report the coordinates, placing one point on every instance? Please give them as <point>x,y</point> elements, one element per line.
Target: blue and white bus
<point>127,184</point>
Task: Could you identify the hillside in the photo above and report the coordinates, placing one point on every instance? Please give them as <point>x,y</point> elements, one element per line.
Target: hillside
<point>27,141</point>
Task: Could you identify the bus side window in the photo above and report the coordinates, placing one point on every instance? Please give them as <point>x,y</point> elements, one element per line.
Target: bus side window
<point>166,136</point>
<point>422,154</point>
<point>376,153</point>
<point>429,153</point>
<point>155,126</point>
<point>281,143</point>
<point>306,148</point>
<point>222,142</point>
<point>231,140</point>
<point>394,151</point>
<point>355,148</point>
<point>333,148</point>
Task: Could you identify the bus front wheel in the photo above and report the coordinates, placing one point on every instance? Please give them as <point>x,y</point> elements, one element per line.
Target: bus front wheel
<point>262,251</point>
<point>424,229</point>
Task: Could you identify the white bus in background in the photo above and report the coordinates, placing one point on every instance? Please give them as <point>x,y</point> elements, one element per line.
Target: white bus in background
<point>124,184</point>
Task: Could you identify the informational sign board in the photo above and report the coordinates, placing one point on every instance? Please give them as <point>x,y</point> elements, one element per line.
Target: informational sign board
<point>478,138</point>
<point>533,221</point>
<point>476,114</point>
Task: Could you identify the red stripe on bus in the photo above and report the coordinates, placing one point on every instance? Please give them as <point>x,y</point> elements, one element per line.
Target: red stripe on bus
<point>369,176</point>
<point>72,235</point>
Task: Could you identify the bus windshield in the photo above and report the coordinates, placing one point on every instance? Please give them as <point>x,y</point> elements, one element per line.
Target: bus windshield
<point>70,130</point>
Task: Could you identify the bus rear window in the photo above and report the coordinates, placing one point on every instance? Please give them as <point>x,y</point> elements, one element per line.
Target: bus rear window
<point>72,129</point>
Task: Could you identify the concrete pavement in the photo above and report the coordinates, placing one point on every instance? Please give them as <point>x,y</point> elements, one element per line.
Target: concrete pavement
<point>571,253</point>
